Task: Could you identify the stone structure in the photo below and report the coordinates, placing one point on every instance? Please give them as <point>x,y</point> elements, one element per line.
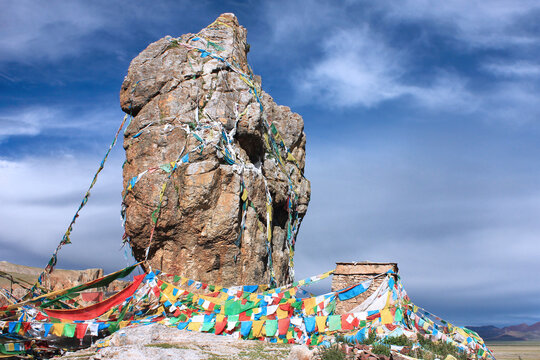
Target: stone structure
<point>349,274</point>
<point>214,186</point>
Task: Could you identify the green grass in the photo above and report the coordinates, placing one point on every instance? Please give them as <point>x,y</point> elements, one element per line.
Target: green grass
<point>333,352</point>
<point>441,348</point>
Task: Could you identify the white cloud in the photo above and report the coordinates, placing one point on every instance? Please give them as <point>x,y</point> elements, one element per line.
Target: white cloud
<point>36,120</point>
<point>495,23</point>
<point>28,121</point>
<point>522,69</point>
<point>39,197</point>
<point>359,68</point>
<point>36,31</point>
<point>356,68</point>
<point>51,30</point>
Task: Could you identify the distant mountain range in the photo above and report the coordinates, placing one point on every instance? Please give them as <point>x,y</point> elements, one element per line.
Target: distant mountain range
<point>510,333</point>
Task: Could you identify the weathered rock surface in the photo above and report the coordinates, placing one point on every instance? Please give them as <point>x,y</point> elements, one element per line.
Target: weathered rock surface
<point>158,341</point>
<point>195,100</point>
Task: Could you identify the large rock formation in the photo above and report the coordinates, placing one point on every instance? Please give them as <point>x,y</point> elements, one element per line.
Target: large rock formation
<point>213,178</point>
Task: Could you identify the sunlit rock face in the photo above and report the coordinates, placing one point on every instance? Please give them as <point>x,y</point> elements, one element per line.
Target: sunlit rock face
<point>213,178</point>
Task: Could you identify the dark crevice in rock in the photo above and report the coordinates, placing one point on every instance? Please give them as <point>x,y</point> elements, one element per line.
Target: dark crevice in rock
<point>280,215</point>
<point>252,145</point>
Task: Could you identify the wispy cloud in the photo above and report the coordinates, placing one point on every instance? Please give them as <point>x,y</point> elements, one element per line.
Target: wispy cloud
<point>356,68</point>
<point>359,68</point>
<point>522,69</point>
<point>39,197</point>
<point>361,62</point>
<point>34,31</point>
<point>496,23</point>
<point>36,120</point>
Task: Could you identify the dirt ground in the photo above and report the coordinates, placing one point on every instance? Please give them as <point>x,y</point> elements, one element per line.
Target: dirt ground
<point>516,350</point>
<point>161,342</point>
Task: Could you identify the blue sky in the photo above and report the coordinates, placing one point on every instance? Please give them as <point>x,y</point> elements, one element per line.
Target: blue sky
<point>422,123</point>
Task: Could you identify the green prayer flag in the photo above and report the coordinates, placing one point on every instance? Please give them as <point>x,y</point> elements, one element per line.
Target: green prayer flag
<point>69,330</point>
<point>297,304</point>
<point>113,327</point>
<point>399,315</point>
<point>233,307</point>
<point>166,168</point>
<point>206,326</point>
<point>362,323</point>
<point>331,307</point>
<point>176,278</point>
<point>271,327</point>
<point>334,322</point>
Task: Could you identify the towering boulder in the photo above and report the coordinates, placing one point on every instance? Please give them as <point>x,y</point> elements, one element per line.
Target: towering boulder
<point>213,178</point>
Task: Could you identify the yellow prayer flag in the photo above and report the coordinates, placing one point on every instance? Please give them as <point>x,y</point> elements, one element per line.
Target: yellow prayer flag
<point>123,324</point>
<point>289,334</point>
<point>309,305</point>
<point>386,316</point>
<point>57,329</point>
<point>281,314</point>
<point>257,328</point>
<point>321,323</point>
<point>194,326</point>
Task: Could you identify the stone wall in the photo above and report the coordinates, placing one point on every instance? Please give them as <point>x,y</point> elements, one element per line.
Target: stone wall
<point>348,274</point>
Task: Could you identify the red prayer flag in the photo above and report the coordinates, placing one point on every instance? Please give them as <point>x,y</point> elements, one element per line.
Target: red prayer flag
<point>93,311</point>
<point>345,325</point>
<point>283,326</point>
<point>80,330</point>
<point>25,327</point>
<point>220,326</point>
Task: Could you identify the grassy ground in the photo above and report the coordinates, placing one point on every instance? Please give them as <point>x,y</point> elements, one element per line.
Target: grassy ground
<point>515,350</point>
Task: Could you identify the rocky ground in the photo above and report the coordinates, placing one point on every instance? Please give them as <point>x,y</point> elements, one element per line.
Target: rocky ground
<point>158,341</point>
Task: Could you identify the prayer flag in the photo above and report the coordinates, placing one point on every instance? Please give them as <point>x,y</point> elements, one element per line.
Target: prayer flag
<point>283,325</point>
<point>271,327</point>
